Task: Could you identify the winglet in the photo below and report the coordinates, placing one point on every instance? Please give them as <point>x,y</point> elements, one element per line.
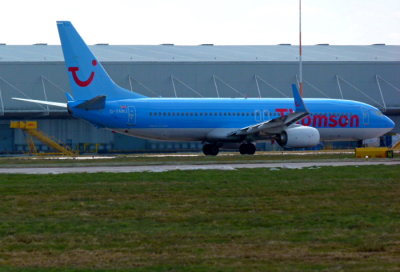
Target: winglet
<point>298,101</point>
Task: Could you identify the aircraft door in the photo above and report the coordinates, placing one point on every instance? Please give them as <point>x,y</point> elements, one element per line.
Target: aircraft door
<point>131,116</point>
<point>366,118</point>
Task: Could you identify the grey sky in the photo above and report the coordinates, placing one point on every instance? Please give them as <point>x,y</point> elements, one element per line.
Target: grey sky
<point>192,22</point>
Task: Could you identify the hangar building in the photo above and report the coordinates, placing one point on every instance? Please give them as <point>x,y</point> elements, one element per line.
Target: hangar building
<point>365,73</point>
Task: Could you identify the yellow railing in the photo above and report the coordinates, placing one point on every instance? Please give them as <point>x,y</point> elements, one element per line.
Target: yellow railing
<point>396,146</point>
<point>30,127</point>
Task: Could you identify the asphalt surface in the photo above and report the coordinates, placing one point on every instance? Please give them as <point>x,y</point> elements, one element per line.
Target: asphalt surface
<point>163,168</point>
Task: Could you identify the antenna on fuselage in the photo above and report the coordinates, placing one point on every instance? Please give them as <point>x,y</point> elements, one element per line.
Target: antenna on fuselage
<point>300,54</point>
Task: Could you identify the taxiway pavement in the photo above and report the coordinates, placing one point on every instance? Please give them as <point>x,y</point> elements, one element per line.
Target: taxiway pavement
<point>163,168</point>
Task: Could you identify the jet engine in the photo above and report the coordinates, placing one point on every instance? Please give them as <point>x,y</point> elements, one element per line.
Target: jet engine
<point>299,136</point>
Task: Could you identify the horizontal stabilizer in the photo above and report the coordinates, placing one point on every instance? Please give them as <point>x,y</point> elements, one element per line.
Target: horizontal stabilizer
<point>96,103</point>
<point>43,102</point>
<point>69,97</point>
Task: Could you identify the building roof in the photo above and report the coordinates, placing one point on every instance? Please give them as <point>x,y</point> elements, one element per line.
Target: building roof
<point>207,53</point>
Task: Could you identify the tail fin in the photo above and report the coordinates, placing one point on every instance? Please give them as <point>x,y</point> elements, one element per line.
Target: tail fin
<point>298,101</point>
<point>87,76</point>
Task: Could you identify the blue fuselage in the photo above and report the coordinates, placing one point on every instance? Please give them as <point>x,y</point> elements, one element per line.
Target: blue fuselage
<point>212,119</point>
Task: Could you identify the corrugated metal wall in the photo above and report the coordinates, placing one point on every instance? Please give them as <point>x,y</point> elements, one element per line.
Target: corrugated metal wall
<point>376,83</point>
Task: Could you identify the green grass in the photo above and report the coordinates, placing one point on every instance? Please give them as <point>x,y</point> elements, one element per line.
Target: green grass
<point>317,219</point>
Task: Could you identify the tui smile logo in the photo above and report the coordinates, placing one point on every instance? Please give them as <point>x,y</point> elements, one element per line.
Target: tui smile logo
<point>82,83</point>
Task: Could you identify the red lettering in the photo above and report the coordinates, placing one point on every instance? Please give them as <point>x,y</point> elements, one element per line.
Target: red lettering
<point>343,120</point>
<point>281,111</point>
<point>354,119</point>
<point>320,121</point>
<point>325,120</point>
<point>333,121</point>
<point>306,121</point>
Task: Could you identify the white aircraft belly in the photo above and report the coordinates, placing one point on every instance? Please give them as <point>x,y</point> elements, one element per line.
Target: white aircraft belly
<point>350,134</point>
<point>168,134</point>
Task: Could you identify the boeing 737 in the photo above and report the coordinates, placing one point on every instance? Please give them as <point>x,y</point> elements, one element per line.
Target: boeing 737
<point>216,122</point>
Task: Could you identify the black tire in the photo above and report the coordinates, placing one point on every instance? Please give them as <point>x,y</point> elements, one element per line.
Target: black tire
<point>214,150</point>
<point>243,149</point>
<point>247,149</point>
<point>251,149</point>
<point>206,149</point>
<point>210,149</point>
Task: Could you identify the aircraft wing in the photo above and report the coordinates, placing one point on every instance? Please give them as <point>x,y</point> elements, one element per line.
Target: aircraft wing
<point>276,125</point>
<point>43,102</point>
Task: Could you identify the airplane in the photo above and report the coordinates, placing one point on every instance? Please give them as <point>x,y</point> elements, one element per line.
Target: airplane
<point>216,122</point>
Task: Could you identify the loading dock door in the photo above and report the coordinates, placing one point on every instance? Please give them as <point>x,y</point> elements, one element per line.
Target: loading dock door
<point>6,138</point>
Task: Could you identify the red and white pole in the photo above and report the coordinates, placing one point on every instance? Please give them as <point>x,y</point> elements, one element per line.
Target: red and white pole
<point>300,54</point>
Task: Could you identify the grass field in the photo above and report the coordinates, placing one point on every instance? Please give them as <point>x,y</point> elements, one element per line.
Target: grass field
<point>317,219</point>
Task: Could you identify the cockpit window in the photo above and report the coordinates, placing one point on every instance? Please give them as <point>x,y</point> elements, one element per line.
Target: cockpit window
<point>379,113</point>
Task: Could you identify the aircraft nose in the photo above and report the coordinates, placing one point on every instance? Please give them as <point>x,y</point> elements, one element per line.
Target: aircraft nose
<point>389,122</point>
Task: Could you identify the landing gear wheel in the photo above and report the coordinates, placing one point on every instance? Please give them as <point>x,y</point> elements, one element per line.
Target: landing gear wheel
<point>248,149</point>
<point>210,149</point>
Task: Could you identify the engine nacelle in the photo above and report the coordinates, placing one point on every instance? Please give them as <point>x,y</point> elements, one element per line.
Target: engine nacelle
<point>299,136</point>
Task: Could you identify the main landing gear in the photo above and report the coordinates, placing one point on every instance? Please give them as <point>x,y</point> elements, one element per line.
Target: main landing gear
<point>247,149</point>
<point>210,149</point>
<point>213,149</point>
